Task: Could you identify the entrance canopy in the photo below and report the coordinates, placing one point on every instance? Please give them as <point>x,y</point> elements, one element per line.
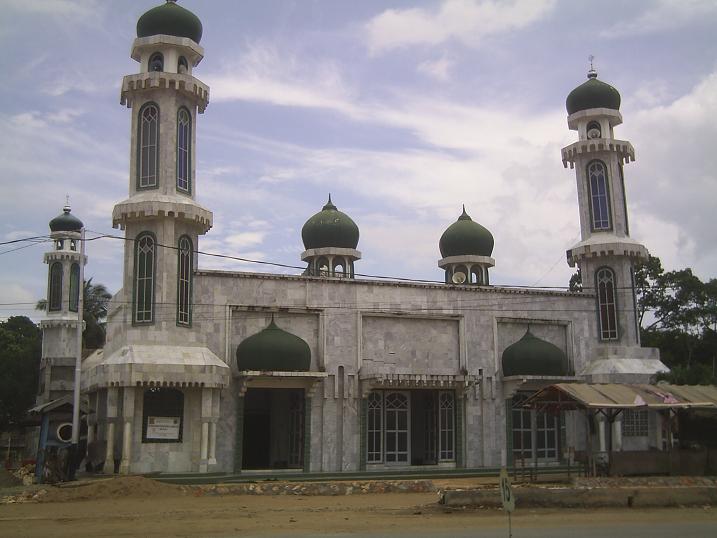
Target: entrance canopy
<point>568,396</point>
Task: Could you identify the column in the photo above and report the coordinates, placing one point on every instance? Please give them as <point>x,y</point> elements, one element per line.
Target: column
<point>212,456</point>
<point>206,413</point>
<point>617,434</point>
<point>112,401</point>
<point>601,433</point>
<point>127,418</point>
<point>239,433</point>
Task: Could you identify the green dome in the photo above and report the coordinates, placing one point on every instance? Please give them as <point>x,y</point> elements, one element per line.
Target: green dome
<point>66,222</point>
<point>274,349</point>
<point>330,228</point>
<point>533,356</point>
<point>592,94</point>
<point>170,19</point>
<point>465,237</point>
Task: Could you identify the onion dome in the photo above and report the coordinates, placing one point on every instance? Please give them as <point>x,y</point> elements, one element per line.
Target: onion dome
<point>66,222</point>
<point>533,356</point>
<point>330,228</point>
<point>170,19</point>
<point>466,238</point>
<point>592,94</point>
<point>274,349</point>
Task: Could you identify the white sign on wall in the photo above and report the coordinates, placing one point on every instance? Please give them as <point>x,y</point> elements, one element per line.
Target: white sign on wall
<point>163,427</point>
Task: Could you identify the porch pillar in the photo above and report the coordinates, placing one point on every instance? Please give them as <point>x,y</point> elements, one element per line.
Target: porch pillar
<point>658,429</point>
<point>239,433</point>
<point>212,456</point>
<point>601,433</point>
<point>206,412</point>
<point>617,434</point>
<point>128,416</point>
<point>112,397</point>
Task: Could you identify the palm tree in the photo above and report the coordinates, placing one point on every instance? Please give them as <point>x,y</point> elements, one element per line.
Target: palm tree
<point>96,299</point>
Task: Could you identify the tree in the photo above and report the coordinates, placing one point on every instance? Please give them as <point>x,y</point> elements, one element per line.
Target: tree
<point>20,352</point>
<point>96,299</point>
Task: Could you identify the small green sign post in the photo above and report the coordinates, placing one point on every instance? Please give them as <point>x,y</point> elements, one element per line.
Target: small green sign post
<point>506,495</point>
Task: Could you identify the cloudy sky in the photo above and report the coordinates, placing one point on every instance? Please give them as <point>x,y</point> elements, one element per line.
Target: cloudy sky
<point>402,109</point>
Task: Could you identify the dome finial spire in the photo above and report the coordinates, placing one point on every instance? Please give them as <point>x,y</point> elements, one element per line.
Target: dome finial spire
<point>67,207</point>
<point>592,73</point>
<point>329,204</point>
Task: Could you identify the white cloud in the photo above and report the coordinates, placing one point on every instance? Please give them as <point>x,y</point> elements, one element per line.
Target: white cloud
<point>663,15</point>
<point>437,69</point>
<point>468,21</point>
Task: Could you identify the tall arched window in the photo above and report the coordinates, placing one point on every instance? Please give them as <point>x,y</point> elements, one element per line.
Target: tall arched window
<point>599,196</point>
<point>74,286</point>
<point>607,307</point>
<point>184,281</point>
<point>182,66</point>
<point>54,295</point>
<point>144,262</point>
<point>148,147</point>
<point>184,140</point>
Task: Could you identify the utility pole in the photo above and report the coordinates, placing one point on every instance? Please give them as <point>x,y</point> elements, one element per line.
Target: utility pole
<point>74,446</point>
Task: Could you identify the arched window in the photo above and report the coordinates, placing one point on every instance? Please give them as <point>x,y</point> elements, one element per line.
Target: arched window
<point>163,415</point>
<point>477,275</point>
<point>144,261</point>
<point>184,140</point>
<point>54,295</point>
<point>156,62</point>
<point>182,65</point>
<point>148,146</point>
<point>593,130</point>
<point>323,266</point>
<point>599,196</point>
<point>339,269</point>
<point>607,307</point>
<point>74,286</point>
<point>184,281</point>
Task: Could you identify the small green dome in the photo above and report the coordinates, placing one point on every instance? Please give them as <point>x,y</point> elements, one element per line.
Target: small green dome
<point>592,94</point>
<point>274,349</point>
<point>330,228</point>
<point>170,19</point>
<point>466,238</point>
<point>66,222</point>
<point>533,356</point>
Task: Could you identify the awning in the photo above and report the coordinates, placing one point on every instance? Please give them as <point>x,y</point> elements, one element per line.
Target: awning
<point>160,365</point>
<point>566,396</point>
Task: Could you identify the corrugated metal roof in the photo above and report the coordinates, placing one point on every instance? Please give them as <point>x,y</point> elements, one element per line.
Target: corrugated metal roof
<point>624,396</point>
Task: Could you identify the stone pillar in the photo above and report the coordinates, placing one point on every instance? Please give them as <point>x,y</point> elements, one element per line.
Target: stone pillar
<point>659,422</point>
<point>206,413</point>
<point>127,419</point>
<point>307,434</point>
<point>617,434</point>
<point>239,433</point>
<point>212,456</point>
<point>112,410</point>
<point>601,433</point>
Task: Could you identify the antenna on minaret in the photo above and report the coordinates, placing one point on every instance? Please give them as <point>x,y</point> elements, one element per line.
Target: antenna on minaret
<point>592,73</point>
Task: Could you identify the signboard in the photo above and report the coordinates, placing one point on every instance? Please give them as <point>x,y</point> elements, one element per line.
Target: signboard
<point>506,491</point>
<point>163,428</point>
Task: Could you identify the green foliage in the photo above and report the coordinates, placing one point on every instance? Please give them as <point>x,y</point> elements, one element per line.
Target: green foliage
<point>20,351</point>
<point>678,314</point>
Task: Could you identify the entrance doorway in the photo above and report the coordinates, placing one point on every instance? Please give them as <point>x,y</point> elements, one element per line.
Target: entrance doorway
<point>273,431</point>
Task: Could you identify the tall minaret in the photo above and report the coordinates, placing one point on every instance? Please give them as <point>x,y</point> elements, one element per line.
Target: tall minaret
<point>606,254</point>
<point>161,219</point>
<point>59,328</point>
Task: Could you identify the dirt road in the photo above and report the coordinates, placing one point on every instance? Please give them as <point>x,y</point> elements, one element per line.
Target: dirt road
<point>176,513</point>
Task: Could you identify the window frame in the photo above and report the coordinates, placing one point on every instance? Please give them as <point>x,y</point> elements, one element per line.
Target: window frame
<point>135,279</point>
<point>185,160</point>
<point>607,334</point>
<point>166,412</point>
<point>185,285</point>
<point>635,423</point>
<point>152,57</point>
<point>592,197</point>
<point>141,146</point>
<point>74,294</point>
<point>54,287</point>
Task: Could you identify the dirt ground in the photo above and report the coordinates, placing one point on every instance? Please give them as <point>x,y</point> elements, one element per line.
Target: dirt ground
<point>135,506</point>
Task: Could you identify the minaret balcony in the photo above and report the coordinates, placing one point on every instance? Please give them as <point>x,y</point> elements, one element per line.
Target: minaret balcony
<point>153,80</point>
<point>154,205</point>
<point>606,245</point>
<point>624,150</point>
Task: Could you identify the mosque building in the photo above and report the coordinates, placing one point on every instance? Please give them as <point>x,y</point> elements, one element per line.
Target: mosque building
<point>228,371</point>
